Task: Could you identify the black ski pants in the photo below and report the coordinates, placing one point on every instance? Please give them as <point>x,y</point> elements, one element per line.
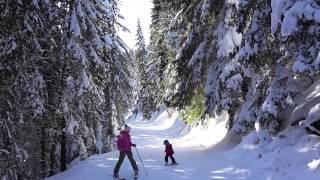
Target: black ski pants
<point>122,155</point>
<point>171,157</point>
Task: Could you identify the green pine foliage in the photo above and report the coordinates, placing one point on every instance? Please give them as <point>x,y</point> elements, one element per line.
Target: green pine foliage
<point>194,110</point>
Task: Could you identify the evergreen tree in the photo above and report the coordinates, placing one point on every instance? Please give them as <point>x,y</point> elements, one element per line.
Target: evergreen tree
<point>64,84</point>
<point>244,56</point>
<point>145,100</point>
<point>25,49</point>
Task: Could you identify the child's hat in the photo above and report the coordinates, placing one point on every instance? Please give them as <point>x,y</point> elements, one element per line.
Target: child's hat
<point>166,142</point>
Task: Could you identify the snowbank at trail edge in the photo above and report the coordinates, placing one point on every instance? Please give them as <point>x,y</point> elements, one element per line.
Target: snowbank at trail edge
<point>293,154</point>
<point>207,135</point>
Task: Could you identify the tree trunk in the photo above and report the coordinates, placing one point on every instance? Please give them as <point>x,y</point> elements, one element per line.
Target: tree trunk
<point>43,152</point>
<point>63,143</point>
<point>52,159</point>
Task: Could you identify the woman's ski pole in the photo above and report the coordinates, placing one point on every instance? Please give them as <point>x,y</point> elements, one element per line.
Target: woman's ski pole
<point>141,161</point>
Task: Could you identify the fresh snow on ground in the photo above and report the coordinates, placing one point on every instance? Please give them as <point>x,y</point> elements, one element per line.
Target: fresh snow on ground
<point>206,152</point>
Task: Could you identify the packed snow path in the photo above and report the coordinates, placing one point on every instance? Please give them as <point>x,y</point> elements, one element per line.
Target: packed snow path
<point>149,137</point>
<point>195,162</point>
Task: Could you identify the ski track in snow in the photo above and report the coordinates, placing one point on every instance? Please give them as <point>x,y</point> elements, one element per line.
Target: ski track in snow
<point>195,162</point>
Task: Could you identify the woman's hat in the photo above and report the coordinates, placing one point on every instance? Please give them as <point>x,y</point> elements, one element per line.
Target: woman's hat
<point>127,128</point>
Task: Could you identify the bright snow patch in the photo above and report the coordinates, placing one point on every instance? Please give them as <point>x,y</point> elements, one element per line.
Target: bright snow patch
<point>315,164</point>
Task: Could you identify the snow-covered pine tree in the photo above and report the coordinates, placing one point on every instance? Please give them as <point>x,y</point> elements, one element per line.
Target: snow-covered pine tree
<point>60,62</point>
<point>145,100</point>
<point>122,81</point>
<point>258,52</point>
<point>225,76</point>
<point>186,61</point>
<point>295,24</point>
<point>25,50</point>
<point>160,55</point>
<point>98,59</point>
<point>257,61</point>
<point>238,49</point>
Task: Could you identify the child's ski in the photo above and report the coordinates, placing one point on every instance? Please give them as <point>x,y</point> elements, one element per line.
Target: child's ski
<point>171,164</point>
<point>135,176</point>
<point>117,178</point>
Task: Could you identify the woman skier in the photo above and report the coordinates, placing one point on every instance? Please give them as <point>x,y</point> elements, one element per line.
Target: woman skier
<point>124,146</point>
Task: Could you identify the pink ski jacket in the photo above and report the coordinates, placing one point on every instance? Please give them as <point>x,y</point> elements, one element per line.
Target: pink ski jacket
<point>124,141</point>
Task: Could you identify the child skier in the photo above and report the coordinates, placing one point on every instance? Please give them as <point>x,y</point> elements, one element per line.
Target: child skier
<point>169,153</point>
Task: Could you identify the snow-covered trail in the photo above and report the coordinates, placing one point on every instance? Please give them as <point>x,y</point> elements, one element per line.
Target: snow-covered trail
<point>196,161</point>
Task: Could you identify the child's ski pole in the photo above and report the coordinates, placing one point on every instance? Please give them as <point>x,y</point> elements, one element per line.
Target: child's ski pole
<point>141,161</point>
